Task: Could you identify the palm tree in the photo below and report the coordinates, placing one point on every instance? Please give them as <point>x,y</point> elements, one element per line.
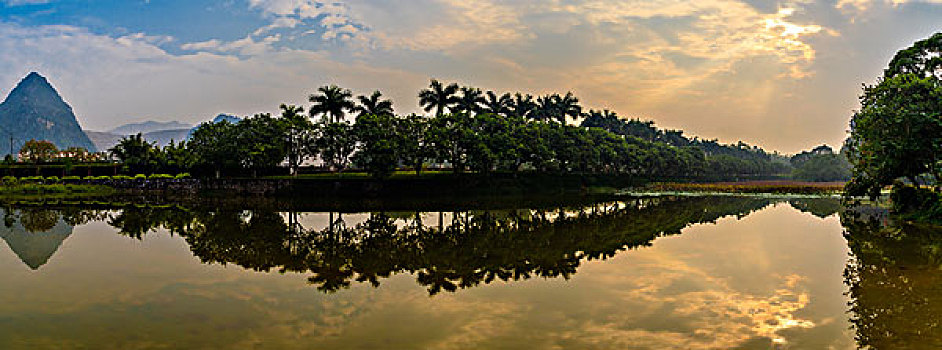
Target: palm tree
<point>567,106</point>
<point>332,102</point>
<point>470,100</point>
<point>438,97</point>
<point>522,105</point>
<point>545,108</point>
<point>373,105</point>
<point>498,105</point>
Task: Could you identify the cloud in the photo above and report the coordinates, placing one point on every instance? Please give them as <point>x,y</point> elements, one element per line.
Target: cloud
<point>109,81</point>
<point>682,63</point>
<point>25,2</point>
<point>856,7</point>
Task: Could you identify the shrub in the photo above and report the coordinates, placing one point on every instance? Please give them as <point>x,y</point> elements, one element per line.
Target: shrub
<point>182,176</point>
<point>32,179</point>
<point>140,177</point>
<point>907,199</point>
<point>9,180</point>
<point>160,176</point>
<point>121,177</point>
<point>71,178</point>
<point>52,179</point>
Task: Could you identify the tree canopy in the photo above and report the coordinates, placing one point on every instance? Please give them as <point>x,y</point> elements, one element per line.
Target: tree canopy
<point>897,133</point>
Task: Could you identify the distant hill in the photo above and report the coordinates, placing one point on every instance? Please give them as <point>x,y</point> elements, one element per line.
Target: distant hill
<point>147,127</point>
<point>104,140</point>
<point>164,137</point>
<point>218,119</point>
<point>34,110</point>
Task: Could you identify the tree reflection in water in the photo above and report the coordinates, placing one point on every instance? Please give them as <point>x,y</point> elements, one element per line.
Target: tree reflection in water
<point>458,250</point>
<point>895,284</point>
<point>893,277</point>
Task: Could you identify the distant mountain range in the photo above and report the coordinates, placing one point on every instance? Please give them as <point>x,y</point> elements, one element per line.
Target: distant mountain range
<point>34,110</point>
<point>151,132</point>
<point>106,140</point>
<point>148,127</point>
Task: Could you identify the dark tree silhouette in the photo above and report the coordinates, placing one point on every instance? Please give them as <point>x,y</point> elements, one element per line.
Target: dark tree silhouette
<point>332,102</point>
<point>438,97</point>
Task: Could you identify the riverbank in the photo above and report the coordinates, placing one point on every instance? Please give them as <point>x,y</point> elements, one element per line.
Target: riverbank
<point>750,187</point>
<point>429,186</point>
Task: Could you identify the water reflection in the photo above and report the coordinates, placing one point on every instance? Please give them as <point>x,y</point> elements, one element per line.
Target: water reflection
<point>737,286</point>
<point>34,235</point>
<point>895,284</point>
<point>444,251</point>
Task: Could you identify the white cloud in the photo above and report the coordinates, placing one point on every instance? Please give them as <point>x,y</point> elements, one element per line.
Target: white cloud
<point>856,7</point>
<point>680,62</point>
<point>110,81</point>
<point>25,2</point>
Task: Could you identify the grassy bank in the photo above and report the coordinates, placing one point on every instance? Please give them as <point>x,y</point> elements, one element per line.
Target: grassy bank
<point>774,187</point>
<point>32,190</point>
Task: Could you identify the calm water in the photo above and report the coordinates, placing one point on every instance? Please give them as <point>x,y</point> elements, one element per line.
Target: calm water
<point>684,273</point>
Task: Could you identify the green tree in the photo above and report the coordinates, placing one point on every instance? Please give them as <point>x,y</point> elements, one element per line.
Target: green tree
<point>449,136</point>
<point>823,167</point>
<point>522,106</point>
<point>298,134</point>
<point>38,151</point>
<point>567,106</point>
<point>373,104</point>
<point>469,101</point>
<point>414,137</point>
<point>176,158</point>
<point>332,102</point>
<point>137,155</point>
<point>438,97</point>
<point>335,144</point>
<point>897,133</point>
<point>380,144</point>
<point>497,105</point>
<point>215,147</point>
<point>260,143</point>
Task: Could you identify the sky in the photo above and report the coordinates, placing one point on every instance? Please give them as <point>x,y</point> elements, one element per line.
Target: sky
<point>784,75</point>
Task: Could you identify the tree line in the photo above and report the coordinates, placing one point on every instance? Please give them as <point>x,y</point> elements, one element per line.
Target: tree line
<point>467,130</point>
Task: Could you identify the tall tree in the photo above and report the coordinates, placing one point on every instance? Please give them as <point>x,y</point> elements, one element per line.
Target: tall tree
<point>545,108</point>
<point>898,130</point>
<point>469,101</point>
<point>380,144</point>
<point>567,106</point>
<point>438,97</point>
<point>332,102</point>
<point>260,143</point>
<point>415,148</point>
<point>299,132</point>
<point>497,105</point>
<point>335,144</point>
<point>215,147</point>
<point>373,104</point>
<point>523,106</point>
